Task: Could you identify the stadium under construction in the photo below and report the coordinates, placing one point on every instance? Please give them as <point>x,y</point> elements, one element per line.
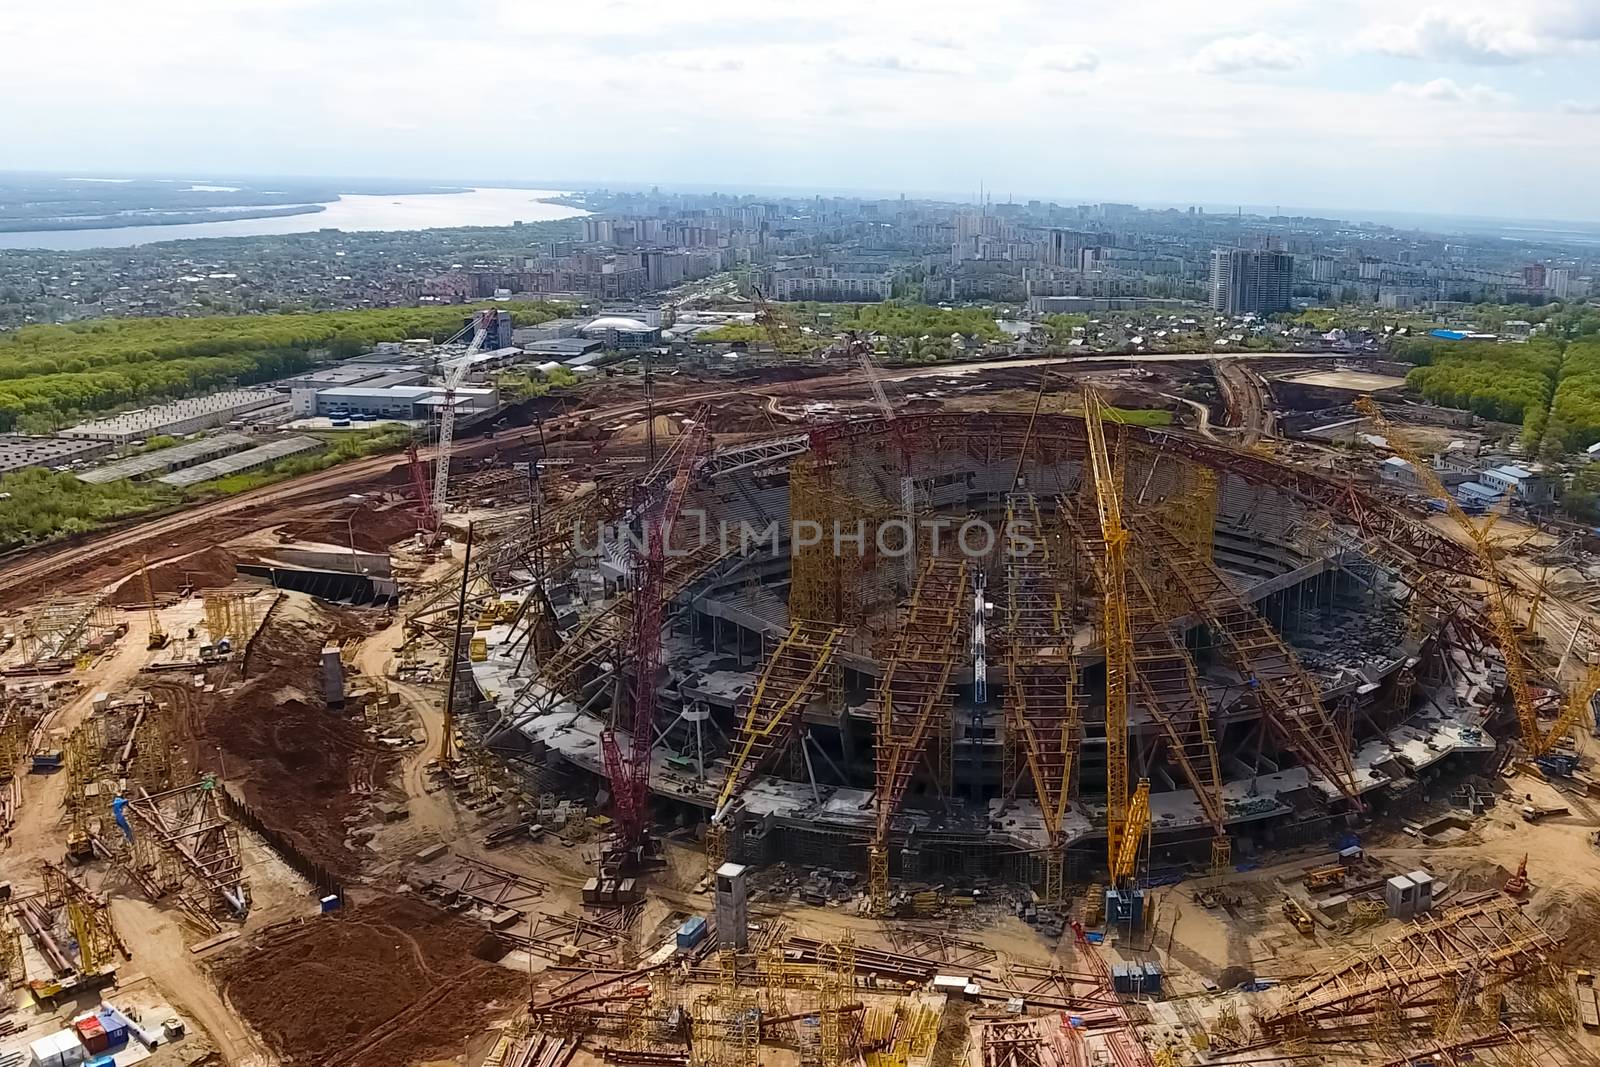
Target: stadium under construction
<point>1101,635</point>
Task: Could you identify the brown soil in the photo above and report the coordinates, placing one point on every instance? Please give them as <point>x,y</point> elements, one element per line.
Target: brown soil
<point>307,769</point>
<point>206,569</point>
<point>374,530</point>
<point>388,983</point>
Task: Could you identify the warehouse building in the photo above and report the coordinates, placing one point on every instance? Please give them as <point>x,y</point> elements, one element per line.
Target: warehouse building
<point>348,374</point>
<point>167,460</point>
<point>243,462</point>
<point>19,453</point>
<point>411,403</point>
<point>179,418</point>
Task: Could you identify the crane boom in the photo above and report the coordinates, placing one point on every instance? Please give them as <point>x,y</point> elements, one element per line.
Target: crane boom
<point>1114,619</point>
<point>862,349</point>
<point>1501,618</point>
<point>630,776</point>
<point>455,373</point>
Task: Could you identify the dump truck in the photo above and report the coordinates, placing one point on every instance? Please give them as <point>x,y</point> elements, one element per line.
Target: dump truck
<point>1538,812</point>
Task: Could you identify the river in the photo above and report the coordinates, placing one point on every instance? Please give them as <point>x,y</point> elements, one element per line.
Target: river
<point>412,211</point>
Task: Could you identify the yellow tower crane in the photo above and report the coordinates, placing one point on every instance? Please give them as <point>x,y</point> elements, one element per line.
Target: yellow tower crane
<point>158,636</point>
<point>1126,817</point>
<point>1502,618</point>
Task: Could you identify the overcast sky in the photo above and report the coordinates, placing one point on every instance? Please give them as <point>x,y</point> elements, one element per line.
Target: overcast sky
<point>1482,108</point>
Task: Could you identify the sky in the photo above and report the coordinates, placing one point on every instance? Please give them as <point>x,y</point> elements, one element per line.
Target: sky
<point>1459,108</point>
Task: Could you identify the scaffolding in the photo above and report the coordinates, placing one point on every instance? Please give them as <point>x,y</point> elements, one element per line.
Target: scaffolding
<point>58,628</point>
<point>1043,718</point>
<point>231,616</point>
<point>914,700</point>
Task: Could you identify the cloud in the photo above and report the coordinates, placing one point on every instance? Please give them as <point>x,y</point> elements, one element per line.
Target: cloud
<point>1483,38</point>
<point>1446,91</point>
<point>1068,61</point>
<point>1258,51</point>
<point>1581,107</point>
<point>922,61</point>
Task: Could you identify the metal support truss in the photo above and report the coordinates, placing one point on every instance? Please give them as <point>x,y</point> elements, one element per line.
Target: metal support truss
<point>1043,718</point>
<point>799,669</point>
<point>187,824</point>
<point>816,579</point>
<point>914,699</point>
<point>1421,968</point>
<point>596,648</point>
<point>1290,699</point>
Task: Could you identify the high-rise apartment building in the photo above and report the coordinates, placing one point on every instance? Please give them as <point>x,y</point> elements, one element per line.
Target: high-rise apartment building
<point>1249,281</point>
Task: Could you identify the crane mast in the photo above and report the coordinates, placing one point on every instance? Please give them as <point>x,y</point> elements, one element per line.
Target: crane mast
<point>857,345</point>
<point>455,373</point>
<point>1125,822</point>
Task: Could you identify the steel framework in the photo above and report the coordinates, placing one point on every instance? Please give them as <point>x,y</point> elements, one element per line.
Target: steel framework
<point>1043,717</point>
<point>914,699</point>
<point>187,825</point>
<point>1169,692</point>
<point>1115,628</point>
<point>1290,700</point>
<point>799,669</point>
<point>1422,967</point>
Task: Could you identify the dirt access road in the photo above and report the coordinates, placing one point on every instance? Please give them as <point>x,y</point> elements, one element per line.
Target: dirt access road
<point>104,558</point>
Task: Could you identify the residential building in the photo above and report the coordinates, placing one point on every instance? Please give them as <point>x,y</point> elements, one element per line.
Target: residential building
<point>1559,281</point>
<point>1247,281</point>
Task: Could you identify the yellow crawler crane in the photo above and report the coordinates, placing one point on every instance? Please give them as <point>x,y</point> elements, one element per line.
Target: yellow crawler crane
<point>1502,617</point>
<point>1127,817</point>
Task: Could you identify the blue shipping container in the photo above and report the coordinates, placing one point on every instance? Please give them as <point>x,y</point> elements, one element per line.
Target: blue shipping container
<point>692,932</point>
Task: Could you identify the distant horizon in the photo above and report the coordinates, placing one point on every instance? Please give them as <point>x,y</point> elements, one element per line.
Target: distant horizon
<point>1470,110</point>
<point>1396,217</point>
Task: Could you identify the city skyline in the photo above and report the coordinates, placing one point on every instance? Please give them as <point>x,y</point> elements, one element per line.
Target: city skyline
<point>1409,107</point>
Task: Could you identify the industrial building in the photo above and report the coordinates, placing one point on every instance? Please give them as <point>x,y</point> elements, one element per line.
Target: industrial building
<point>166,460</point>
<point>18,452</point>
<point>243,462</point>
<point>408,403</point>
<point>349,373</point>
<point>617,331</point>
<point>177,419</point>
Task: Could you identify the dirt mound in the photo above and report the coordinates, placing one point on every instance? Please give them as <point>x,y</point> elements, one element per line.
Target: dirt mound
<point>305,767</point>
<point>373,531</point>
<point>207,569</point>
<point>391,982</point>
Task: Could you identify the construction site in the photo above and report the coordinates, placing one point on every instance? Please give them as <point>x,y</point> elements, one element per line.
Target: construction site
<point>836,715</point>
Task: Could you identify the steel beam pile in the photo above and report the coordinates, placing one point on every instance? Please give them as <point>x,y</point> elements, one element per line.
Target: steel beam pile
<point>1491,942</point>
<point>187,824</point>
